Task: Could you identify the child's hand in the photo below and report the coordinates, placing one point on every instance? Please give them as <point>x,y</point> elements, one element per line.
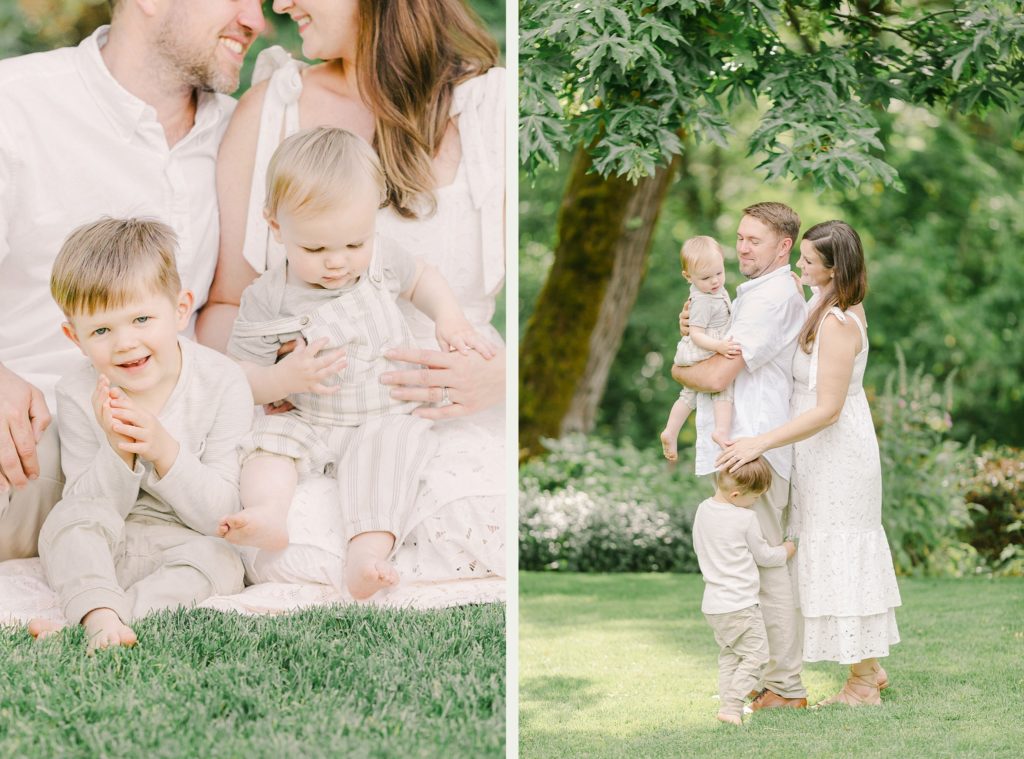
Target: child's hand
<point>729,348</point>
<point>305,372</point>
<point>101,399</point>
<point>459,335</point>
<point>790,547</point>
<point>149,439</point>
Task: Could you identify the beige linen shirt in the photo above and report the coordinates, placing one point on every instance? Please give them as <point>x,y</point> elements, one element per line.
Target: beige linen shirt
<point>730,547</point>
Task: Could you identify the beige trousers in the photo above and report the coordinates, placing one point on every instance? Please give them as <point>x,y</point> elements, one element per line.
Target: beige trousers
<point>23,511</point>
<point>94,559</point>
<point>743,656</point>
<point>782,618</point>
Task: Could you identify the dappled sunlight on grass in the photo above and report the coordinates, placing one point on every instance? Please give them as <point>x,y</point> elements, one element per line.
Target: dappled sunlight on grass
<point>624,665</point>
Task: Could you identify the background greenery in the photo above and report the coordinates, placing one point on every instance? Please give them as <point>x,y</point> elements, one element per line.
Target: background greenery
<point>946,292</point>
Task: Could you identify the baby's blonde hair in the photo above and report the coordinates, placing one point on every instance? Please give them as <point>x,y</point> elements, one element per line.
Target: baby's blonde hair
<point>315,169</point>
<point>697,250</point>
<point>110,262</point>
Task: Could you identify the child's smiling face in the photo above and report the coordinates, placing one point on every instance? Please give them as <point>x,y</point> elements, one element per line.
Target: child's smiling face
<point>134,345</point>
<point>330,248</point>
<point>708,275</point>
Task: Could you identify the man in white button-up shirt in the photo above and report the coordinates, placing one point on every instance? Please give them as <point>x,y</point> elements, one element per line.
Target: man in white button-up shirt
<point>126,124</point>
<point>768,313</point>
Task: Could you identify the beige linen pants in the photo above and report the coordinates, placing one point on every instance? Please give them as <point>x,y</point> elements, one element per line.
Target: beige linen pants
<point>743,656</point>
<point>94,559</point>
<point>23,511</point>
<point>782,618</point>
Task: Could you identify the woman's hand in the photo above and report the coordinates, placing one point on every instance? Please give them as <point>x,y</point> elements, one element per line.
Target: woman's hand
<point>739,452</point>
<point>472,382</point>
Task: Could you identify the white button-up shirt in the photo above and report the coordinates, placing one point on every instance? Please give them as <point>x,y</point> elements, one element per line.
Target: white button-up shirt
<point>76,146</point>
<point>766,320</point>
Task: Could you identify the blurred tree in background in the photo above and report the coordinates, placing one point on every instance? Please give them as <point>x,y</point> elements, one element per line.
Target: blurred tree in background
<point>833,107</point>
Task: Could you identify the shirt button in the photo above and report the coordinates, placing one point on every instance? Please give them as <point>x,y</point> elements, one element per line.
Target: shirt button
<point>304,321</point>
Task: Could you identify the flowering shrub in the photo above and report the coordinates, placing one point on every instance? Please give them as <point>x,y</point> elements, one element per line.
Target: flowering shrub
<point>593,506</point>
<point>923,508</point>
<point>994,491</point>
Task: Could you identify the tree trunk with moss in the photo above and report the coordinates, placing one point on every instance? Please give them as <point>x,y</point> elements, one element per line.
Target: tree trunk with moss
<point>604,233</point>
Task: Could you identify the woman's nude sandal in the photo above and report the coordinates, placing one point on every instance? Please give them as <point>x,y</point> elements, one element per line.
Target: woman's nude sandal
<point>849,695</point>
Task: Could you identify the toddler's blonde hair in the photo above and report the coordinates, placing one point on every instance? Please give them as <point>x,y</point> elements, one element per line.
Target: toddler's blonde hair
<point>315,169</point>
<point>697,250</point>
<point>110,262</point>
<point>753,477</point>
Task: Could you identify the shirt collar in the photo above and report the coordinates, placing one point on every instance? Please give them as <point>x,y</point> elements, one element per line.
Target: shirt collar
<point>124,110</point>
<point>750,284</point>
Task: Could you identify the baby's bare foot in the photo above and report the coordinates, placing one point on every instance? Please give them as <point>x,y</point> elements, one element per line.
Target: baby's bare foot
<point>40,628</point>
<point>261,528</point>
<point>365,576</point>
<point>668,446</point>
<point>103,629</point>
<point>732,719</point>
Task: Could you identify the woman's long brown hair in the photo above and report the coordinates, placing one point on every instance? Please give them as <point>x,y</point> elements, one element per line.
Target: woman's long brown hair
<point>411,55</point>
<point>840,249</point>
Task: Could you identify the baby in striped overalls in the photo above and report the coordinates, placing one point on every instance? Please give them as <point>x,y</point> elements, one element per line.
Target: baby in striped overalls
<point>335,296</point>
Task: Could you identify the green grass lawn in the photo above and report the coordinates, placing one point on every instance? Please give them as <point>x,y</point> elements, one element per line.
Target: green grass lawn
<point>626,666</point>
<point>355,682</point>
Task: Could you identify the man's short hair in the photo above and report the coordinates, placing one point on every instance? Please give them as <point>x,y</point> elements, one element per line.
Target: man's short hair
<point>778,217</point>
<point>317,168</point>
<point>111,262</point>
<point>753,477</point>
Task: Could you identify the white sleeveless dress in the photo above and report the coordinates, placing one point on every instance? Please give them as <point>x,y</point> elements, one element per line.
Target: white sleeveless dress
<point>847,585</point>
<point>462,497</point>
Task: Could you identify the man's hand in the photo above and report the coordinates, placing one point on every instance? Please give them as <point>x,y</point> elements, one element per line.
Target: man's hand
<point>148,438</point>
<point>684,319</point>
<point>23,419</point>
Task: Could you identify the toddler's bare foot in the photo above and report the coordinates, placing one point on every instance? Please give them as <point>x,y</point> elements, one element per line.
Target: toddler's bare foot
<point>40,628</point>
<point>261,528</point>
<point>364,576</point>
<point>732,719</point>
<point>668,446</point>
<point>103,629</point>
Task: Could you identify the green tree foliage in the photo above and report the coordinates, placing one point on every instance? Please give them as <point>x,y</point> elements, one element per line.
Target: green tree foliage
<point>807,90</point>
<point>626,77</point>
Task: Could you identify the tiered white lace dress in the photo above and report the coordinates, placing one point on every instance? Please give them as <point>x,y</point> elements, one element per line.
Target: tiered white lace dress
<point>463,494</point>
<point>847,585</point>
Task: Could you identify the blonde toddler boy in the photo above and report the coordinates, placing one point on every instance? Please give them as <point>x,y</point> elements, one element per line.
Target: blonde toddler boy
<point>148,432</point>
<point>730,547</point>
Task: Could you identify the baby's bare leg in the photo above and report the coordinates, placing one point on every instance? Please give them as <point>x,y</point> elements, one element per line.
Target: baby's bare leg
<point>266,487</point>
<point>670,435</point>
<point>367,568</point>
<point>103,629</point>
<point>723,422</point>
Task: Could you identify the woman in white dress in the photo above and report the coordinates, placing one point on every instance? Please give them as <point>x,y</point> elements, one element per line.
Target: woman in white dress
<point>847,585</point>
<point>419,81</point>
